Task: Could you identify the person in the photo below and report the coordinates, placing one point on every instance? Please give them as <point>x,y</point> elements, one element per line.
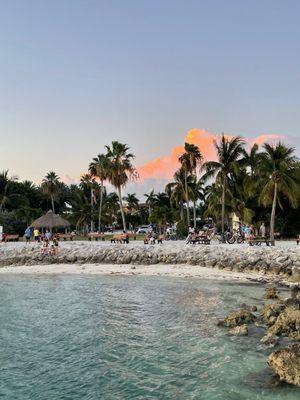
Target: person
<point>27,234</point>
<point>262,230</point>
<point>191,230</point>
<point>48,235</point>
<point>44,247</point>
<point>36,234</point>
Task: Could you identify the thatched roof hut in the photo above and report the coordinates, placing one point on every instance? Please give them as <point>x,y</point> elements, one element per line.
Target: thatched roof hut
<point>50,220</point>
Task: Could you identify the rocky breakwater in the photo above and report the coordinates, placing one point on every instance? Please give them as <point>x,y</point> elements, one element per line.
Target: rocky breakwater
<point>277,261</point>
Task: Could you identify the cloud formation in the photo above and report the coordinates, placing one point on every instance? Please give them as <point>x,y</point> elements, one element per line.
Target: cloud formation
<point>164,167</point>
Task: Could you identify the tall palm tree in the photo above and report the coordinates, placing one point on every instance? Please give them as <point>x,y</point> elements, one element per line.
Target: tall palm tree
<point>279,166</point>
<point>50,186</point>
<point>89,186</point>
<point>189,161</point>
<point>229,152</point>
<point>120,170</point>
<point>98,168</point>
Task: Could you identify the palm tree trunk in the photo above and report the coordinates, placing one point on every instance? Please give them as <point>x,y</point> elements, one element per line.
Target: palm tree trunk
<point>181,209</point>
<point>195,212</point>
<point>187,198</point>
<point>272,222</point>
<point>223,210</point>
<point>100,207</point>
<point>121,209</point>
<point>52,202</point>
<point>92,222</point>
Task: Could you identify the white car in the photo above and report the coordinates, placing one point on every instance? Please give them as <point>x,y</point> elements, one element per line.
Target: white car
<point>144,229</point>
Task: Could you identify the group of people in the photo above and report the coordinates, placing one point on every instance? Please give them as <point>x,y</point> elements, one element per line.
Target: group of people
<point>49,241</point>
<point>245,232</point>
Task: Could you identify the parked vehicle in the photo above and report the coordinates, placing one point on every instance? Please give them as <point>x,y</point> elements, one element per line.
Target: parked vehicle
<point>144,229</point>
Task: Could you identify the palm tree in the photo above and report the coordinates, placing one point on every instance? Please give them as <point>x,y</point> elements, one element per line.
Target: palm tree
<point>120,170</point>
<point>89,185</point>
<point>132,201</point>
<point>50,186</point>
<point>10,194</point>
<point>150,199</point>
<point>189,161</point>
<point>98,168</point>
<point>110,207</point>
<point>279,166</point>
<point>161,212</point>
<point>252,160</point>
<point>177,191</point>
<point>229,152</point>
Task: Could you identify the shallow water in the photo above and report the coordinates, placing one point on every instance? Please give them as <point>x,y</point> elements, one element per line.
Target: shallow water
<point>97,337</point>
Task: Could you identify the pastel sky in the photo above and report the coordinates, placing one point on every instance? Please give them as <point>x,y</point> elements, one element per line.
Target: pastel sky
<point>77,74</point>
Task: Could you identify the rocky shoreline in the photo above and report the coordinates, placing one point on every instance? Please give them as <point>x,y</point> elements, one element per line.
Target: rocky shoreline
<point>280,262</point>
<point>281,322</point>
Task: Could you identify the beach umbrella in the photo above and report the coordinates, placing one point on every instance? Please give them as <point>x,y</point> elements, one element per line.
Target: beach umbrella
<point>50,220</point>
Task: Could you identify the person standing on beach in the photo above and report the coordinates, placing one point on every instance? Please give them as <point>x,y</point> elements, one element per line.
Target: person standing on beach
<point>27,234</point>
<point>262,230</point>
<point>36,234</point>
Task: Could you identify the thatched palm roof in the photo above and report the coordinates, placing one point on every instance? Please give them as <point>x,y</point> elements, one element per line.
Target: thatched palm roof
<point>50,220</point>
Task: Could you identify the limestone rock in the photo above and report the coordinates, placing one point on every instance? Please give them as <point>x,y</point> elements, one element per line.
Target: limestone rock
<point>271,293</point>
<point>271,312</point>
<point>287,323</point>
<point>286,364</point>
<point>241,330</point>
<point>238,318</point>
<point>269,340</point>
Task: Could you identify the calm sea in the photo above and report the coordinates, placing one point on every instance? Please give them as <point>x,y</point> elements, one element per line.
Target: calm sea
<point>96,337</point>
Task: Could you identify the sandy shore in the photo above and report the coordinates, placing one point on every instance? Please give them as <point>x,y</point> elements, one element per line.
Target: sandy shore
<point>183,271</point>
<point>234,262</point>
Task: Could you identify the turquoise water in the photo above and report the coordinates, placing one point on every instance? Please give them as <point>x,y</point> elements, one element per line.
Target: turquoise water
<point>95,337</point>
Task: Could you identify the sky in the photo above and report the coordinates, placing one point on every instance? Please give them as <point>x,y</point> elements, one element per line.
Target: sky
<point>77,74</point>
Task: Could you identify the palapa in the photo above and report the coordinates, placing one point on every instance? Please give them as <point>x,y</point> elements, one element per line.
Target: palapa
<point>50,220</point>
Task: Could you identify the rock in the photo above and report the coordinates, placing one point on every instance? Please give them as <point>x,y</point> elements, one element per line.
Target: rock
<point>271,293</point>
<point>238,318</point>
<point>249,308</point>
<point>286,364</point>
<point>270,340</point>
<point>270,312</point>
<point>241,330</point>
<point>287,323</point>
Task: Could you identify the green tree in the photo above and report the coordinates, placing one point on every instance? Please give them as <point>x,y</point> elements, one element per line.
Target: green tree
<point>189,161</point>
<point>98,167</point>
<point>279,174</point>
<point>150,199</point>
<point>50,187</point>
<point>229,152</point>
<point>120,170</point>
